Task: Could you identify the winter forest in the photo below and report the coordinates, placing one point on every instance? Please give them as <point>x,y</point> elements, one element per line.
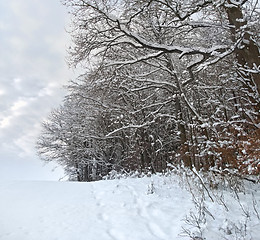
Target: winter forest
<point>166,84</point>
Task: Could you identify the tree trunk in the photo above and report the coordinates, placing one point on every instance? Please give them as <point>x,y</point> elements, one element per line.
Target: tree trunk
<point>247,55</point>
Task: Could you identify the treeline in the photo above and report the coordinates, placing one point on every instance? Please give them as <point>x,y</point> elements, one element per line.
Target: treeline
<point>167,81</point>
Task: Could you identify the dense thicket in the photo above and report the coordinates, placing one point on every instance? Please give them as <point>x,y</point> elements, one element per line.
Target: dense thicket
<point>168,81</point>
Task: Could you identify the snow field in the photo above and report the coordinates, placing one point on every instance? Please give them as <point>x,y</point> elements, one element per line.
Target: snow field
<point>114,209</point>
<point>122,209</point>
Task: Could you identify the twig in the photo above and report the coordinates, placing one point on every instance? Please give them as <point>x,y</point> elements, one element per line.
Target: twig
<point>203,184</point>
<point>254,206</point>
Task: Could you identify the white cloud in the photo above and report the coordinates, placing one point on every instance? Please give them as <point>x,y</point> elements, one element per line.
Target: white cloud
<point>18,105</point>
<point>17,80</point>
<point>26,144</point>
<point>17,109</point>
<point>33,70</point>
<point>49,90</point>
<point>5,122</point>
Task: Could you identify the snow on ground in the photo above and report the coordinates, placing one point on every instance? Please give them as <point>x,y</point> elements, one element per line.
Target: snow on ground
<point>122,209</point>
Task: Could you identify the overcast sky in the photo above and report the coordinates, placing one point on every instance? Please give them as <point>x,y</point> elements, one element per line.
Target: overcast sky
<point>33,70</point>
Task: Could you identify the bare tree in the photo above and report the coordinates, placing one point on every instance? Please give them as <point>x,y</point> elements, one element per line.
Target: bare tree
<point>171,81</point>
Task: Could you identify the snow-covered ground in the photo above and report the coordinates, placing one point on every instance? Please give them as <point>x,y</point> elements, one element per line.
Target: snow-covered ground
<point>150,208</point>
